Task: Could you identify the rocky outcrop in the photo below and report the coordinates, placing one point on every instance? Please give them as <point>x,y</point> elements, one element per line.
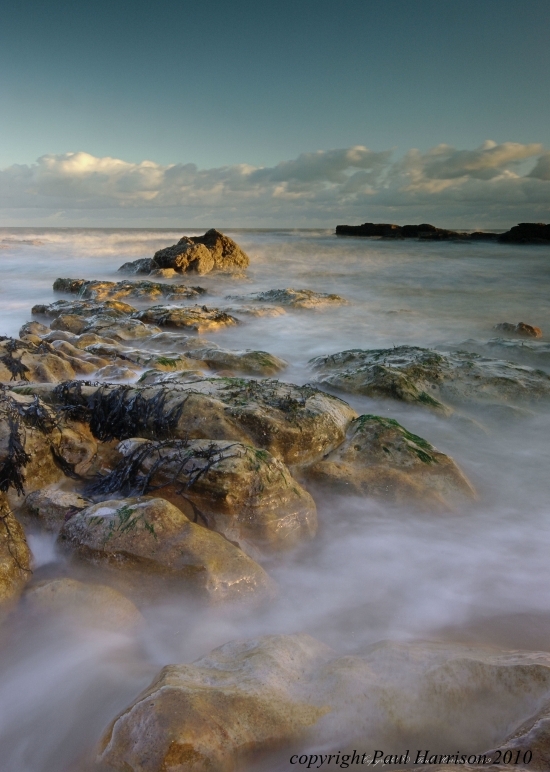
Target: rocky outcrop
<point>95,606</point>
<point>423,231</point>
<point>240,491</point>
<point>196,318</point>
<point>379,457</point>
<point>199,254</point>
<point>521,330</point>
<point>294,298</point>
<point>248,698</point>
<point>151,536</point>
<point>527,233</point>
<point>298,424</point>
<point>15,558</point>
<point>431,379</point>
<point>26,360</point>
<point>109,290</point>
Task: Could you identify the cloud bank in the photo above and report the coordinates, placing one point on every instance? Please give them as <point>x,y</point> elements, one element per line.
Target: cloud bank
<point>492,186</point>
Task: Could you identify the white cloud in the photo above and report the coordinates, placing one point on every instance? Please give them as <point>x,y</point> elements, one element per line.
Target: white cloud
<point>477,187</point>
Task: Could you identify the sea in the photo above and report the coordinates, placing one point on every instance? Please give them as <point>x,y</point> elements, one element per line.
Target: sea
<point>375,572</point>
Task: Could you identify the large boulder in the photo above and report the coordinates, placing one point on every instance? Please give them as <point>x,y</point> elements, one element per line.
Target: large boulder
<point>199,254</point>
<point>298,424</point>
<point>242,492</point>
<point>431,379</point>
<point>293,694</point>
<point>15,558</point>
<point>379,457</point>
<point>146,535</point>
<point>110,290</point>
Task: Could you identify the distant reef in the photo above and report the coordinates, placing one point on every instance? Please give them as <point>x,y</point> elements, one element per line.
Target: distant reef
<point>524,233</point>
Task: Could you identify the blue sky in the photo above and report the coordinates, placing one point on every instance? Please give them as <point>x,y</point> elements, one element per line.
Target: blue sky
<point>234,88</point>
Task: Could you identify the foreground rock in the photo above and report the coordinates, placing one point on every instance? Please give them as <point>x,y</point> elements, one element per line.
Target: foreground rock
<point>89,605</point>
<point>27,360</point>
<point>280,692</point>
<point>198,254</point>
<point>429,378</point>
<point>294,298</point>
<point>151,536</point>
<point>532,736</point>
<point>298,424</point>
<point>381,458</point>
<point>110,290</point>
<point>15,558</point>
<point>239,491</point>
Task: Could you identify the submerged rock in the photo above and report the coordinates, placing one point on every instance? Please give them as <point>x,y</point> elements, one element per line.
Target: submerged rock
<point>379,457</point>
<point>196,318</point>
<point>251,362</point>
<point>295,298</point>
<point>298,424</point>
<point>429,378</point>
<point>150,535</point>
<point>15,557</point>
<point>144,265</point>
<point>242,492</point>
<point>110,290</point>
<point>90,605</point>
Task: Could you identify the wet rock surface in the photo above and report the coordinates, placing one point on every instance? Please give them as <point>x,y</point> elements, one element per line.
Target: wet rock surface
<point>294,298</point>
<point>240,491</point>
<point>15,558</point>
<point>297,424</point>
<point>110,290</point>
<point>521,330</point>
<point>379,457</point>
<point>151,536</point>
<point>431,379</point>
<point>196,318</point>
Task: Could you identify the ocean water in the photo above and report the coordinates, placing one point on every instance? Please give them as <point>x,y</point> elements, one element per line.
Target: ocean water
<point>375,572</point>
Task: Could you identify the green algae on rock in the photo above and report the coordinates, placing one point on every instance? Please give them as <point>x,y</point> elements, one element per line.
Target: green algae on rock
<point>149,535</point>
<point>379,457</point>
<point>430,378</point>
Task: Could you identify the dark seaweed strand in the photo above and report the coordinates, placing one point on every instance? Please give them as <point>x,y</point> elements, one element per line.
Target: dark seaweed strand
<point>11,471</point>
<point>4,515</point>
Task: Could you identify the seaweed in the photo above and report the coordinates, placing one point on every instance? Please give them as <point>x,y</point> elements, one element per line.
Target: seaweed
<point>15,366</point>
<point>11,470</point>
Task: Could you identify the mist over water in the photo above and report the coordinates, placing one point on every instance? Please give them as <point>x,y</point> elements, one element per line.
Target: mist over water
<point>375,571</point>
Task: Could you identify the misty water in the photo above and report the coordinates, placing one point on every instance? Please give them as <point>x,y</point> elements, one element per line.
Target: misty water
<point>375,571</point>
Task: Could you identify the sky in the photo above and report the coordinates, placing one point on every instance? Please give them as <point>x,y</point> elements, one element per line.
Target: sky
<point>274,113</point>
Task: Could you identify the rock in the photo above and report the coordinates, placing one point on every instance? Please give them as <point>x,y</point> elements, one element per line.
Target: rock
<point>379,457</point>
<point>144,265</point>
<point>423,231</point>
<point>298,424</point>
<point>202,254</point>
<point>110,290</point>
<point>119,329</point>
<point>90,605</point>
<point>251,362</point>
<point>240,491</point>
<point>51,507</point>
<point>34,328</point>
<point>521,329</point>
<point>535,353</point>
<point>257,311</point>
<point>527,233</point>
<point>196,318</point>
<point>293,694</point>
<point>86,308</point>
<point>163,273</point>
<point>15,558</point>
<point>150,535</point>
<point>115,373</point>
<point>427,378</point>
<point>214,714</point>
<point>22,360</point>
<point>533,736</point>
<point>301,298</point>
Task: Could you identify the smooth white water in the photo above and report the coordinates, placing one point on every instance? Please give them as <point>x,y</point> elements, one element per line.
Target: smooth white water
<point>374,572</point>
